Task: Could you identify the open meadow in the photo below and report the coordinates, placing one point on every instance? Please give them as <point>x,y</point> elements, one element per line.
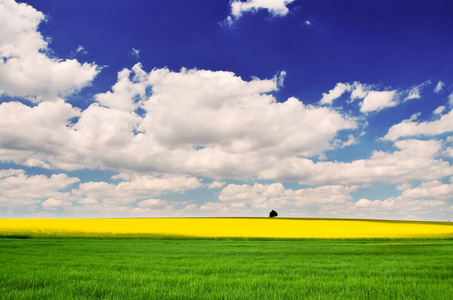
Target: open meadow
<point>177,267</point>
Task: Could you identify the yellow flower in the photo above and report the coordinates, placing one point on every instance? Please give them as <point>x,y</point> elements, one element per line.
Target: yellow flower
<point>226,227</point>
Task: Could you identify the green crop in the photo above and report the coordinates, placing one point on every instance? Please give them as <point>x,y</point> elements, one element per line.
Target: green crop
<point>222,269</point>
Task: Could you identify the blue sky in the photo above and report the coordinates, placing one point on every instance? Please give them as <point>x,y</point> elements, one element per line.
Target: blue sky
<point>226,108</point>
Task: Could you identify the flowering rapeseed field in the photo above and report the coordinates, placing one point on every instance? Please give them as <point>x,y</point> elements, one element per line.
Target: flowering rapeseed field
<point>226,227</point>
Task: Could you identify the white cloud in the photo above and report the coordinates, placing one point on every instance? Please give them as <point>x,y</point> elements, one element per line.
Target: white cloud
<point>203,123</point>
<point>88,201</point>
<point>26,69</point>
<point>141,187</point>
<point>359,90</point>
<point>337,92</point>
<point>55,203</point>
<point>440,85</point>
<point>373,100</point>
<point>432,189</point>
<point>257,194</point>
<point>351,141</point>
<point>430,198</point>
<point>134,52</point>
<point>398,204</point>
<point>80,49</point>
<point>222,112</point>
<point>275,195</point>
<point>44,125</point>
<point>131,86</point>
<point>216,185</point>
<point>404,186</point>
<point>416,160</point>
<point>156,211</point>
<point>224,208</point>
<point>449,152</point>
<point>408,128</point>
<point>30,135</point>
<point>210,124</point>
<point>274,7</point>
<point>18,189</point>
<point>280,78</point>
<point>450,99</point>
<point>153,203</point>
<point>18,29</point>
<point>414,93</point>
<point>206,123</point>
<point>378,100</point>
<point>396,207</point>
<point>439,110</point>
<point>10,172</point>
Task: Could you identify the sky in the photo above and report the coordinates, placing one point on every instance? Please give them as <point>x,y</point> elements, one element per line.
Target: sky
<point>175,108</point>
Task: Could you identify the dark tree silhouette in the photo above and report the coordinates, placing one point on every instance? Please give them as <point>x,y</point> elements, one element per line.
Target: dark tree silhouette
<point>273,214</point>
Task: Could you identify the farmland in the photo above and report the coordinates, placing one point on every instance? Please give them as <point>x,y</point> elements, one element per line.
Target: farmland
<point>238,228</point>
<point>213,269</point>
<point>123,259</point>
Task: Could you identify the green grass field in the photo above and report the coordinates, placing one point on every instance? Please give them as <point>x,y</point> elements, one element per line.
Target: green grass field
<point>223,269</point>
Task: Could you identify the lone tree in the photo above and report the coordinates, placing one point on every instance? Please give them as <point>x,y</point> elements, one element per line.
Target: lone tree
<point>273,214</point>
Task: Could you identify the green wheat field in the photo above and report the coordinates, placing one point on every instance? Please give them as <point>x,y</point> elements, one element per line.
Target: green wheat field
<point>121,268</point>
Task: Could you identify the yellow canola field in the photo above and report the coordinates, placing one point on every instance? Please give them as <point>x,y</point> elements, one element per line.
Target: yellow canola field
<point>226,227</point>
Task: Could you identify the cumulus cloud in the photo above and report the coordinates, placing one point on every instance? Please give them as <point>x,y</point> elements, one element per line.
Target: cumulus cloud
<point>415,160</point>
<point>223,112</point>
<point>127,198</point>
<point>404,186</point>
<point>153,203</point>
<point>378,100</point>
<point>10,172</point>
<point>26,67</point>
<point>356,89</point>
<point>274,7</point>
<point>207,123</point>
<point>221,209</point>
<point>257,194</point>
<point>431,189</point>
<point>19,189</point>
<point>31,135</point>
<point>395,207</point>
<point>449,152</point>
<point>373,100</point>
<point>275,195</point>
<point>55,203</point>
<point>398,204</point>
<point>216,185</point>
<point>141,187</point>
<point>338,91</point>
<point>168,210</point>
<point>410,127</point>
<point>439,110</point>
<point>130,87</point>
<point>359,90</point>
<point>429,198</point>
